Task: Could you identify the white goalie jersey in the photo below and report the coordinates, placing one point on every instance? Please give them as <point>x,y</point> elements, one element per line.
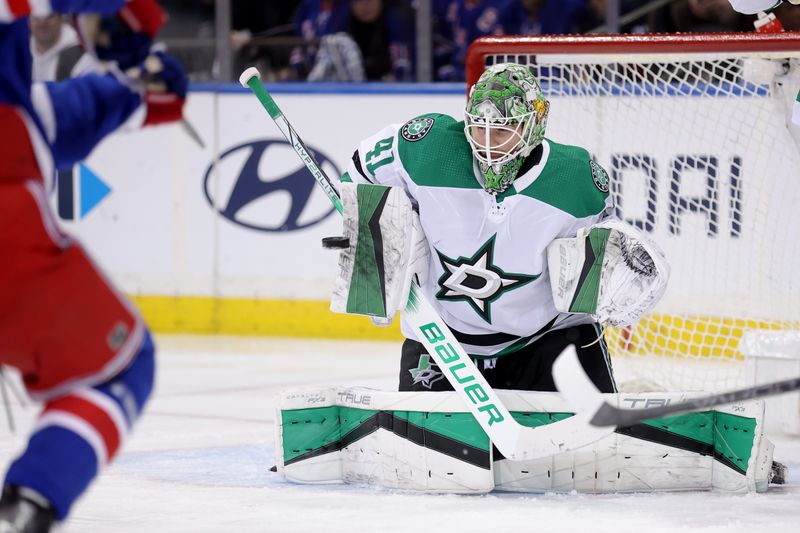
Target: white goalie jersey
<point>488,275</point>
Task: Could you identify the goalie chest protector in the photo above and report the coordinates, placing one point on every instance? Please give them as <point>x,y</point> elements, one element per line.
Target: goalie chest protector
<point>488,267</point>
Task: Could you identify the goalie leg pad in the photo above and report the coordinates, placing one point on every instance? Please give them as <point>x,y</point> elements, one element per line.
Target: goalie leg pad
<point>721,450</point>
<point>354,436</point>
<point>424,441</point>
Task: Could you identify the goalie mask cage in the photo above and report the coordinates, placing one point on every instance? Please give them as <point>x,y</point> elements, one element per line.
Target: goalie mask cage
<point>695,132</point>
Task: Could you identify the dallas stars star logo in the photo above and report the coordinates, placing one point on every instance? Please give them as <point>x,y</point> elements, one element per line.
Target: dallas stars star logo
<point>477,280</point>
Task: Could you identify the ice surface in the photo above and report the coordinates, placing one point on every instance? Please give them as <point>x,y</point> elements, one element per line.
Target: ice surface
<point>199,462</point>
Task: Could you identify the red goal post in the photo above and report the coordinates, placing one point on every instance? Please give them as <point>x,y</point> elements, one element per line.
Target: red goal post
<point>735,43</point>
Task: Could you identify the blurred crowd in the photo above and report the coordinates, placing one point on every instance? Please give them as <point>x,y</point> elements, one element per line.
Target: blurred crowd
<point>375,40</point>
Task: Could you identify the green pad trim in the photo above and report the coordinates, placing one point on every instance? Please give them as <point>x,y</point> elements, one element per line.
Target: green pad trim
<point>733,442</point>
<point>454,434</point>
<point>317,430</point>
<point>585,300</point>
<point>726,437</point>
<point>312,432</point>
<point>368,282</point>
<point>458,427</point>
<point>533,420</point>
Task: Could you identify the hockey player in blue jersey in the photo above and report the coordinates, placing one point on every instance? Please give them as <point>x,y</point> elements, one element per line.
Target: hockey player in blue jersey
<point>80,346</point>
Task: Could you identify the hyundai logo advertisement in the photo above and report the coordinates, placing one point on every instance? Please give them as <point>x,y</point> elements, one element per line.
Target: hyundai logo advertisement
<point>260,189</point>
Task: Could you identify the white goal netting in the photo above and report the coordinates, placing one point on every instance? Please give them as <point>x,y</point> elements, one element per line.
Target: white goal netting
<point>702,156</point>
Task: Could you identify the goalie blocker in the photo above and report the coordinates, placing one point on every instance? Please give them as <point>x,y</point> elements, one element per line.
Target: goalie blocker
<point>426,441</point>
<point>382,247</point>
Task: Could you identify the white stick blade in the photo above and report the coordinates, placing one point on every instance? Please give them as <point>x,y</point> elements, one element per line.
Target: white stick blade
<point>573,383</point>
<point>565,435</point>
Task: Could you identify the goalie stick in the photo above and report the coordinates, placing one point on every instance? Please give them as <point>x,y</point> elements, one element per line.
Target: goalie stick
<point>576,387</point>
<point>513,440</point>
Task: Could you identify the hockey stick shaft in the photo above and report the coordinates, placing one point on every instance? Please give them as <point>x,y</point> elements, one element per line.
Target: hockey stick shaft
<point>322,179</point>
<point>578,389</point>
<point>514,441</point>
<point>609,415</point>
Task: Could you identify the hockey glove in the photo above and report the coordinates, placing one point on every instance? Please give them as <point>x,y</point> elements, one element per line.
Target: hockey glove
<point>124,37</point>
<point>165,85</point>
<point>610,270</point>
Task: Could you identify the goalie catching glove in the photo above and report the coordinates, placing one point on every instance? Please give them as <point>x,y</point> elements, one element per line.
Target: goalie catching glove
<point>610,270</point>
<point>383,248</point>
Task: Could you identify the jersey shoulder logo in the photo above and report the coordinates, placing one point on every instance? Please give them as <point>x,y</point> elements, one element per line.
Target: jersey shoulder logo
<point>477,280</point>
<point>416,128</point>
<point>599,175</point>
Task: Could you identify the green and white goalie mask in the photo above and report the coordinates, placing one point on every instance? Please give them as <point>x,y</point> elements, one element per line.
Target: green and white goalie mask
<point>610,270</point>
<point>505,119</point>
<point>385,247</point>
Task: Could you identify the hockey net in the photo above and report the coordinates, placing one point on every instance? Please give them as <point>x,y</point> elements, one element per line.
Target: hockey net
<point>695,132</point>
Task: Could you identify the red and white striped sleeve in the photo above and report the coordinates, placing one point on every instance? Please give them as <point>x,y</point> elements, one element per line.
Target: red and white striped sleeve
<point>11,10</point>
